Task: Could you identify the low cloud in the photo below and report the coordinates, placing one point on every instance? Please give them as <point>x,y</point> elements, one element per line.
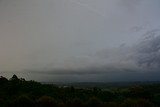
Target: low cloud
<point>143,56</point>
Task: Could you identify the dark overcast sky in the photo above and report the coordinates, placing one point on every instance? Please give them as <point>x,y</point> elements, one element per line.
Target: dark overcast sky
<point>80,40</point>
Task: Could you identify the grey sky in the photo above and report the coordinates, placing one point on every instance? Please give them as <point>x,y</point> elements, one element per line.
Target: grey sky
<point>80,40</point>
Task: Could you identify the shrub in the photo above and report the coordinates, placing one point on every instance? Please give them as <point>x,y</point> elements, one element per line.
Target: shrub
<point>46,101</point>
<point>94,102</point>
<point>137,103</point>
<point>22,101</point>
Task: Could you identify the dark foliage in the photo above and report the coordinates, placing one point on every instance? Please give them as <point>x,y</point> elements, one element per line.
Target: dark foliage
<point>17,92</point>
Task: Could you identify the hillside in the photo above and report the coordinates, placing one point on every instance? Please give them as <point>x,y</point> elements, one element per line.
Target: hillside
<point>17,92</point>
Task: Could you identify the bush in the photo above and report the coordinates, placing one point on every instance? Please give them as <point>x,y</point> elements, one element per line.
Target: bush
<point>75,103</point>
<point>2,103</point>
<point>22,101</point>
<point>137,103</point>
<point>46,101</point>
<point>94,102</point>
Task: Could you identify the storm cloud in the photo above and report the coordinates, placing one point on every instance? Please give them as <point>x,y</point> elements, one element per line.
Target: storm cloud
<point>80,40</point>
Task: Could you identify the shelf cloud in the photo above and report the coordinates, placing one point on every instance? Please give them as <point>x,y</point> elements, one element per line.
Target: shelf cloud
<point>80,40</point>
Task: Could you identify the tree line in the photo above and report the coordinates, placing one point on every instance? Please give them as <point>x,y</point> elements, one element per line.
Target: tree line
<point>17,92</point>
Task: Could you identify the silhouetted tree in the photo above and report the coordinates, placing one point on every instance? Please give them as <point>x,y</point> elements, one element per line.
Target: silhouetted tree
<point>3,80</point>
<point>14,78</point>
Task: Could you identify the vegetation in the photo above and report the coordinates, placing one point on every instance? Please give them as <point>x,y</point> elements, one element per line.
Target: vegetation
<point>17,92</point>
